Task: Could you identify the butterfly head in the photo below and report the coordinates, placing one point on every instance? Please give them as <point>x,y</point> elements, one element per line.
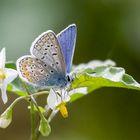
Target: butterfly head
<point>64,81</point>
<point>70,78</point>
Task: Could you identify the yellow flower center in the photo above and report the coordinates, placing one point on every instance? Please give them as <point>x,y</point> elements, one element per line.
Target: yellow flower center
<point>2,74</point>
<point>63,109</point>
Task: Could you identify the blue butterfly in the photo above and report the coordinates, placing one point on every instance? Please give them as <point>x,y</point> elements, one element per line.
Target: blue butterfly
<point>50,62</point>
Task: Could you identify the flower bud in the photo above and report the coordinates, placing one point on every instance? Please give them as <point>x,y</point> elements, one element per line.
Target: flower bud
<point>44,127</point>
<point>6,118</point>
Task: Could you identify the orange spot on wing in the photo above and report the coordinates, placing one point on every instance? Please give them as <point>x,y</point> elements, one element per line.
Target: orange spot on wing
<point>25,71</point>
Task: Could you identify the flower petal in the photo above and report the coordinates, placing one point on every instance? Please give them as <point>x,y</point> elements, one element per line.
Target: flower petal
<point>2,58</point>
<point>65,96</point>
<point>82,90</point>
<point>3,92</point>
<point>52,99</point>
<point>10,75</point>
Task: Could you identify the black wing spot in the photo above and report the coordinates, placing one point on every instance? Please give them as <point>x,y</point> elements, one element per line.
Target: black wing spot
<point>51,71</point>
<point>43,57</point>
<point>45,65</point>
<point>54,53</point>
<point>41,70</point>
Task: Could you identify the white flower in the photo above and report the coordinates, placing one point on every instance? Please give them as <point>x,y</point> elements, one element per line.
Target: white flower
<point>6,75</point>
<point>57,99</point>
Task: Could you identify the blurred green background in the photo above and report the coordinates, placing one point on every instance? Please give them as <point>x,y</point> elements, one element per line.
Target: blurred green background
<point>106,29</point>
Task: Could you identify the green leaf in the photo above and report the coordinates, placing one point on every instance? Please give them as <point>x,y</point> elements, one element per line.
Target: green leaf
<point>95,77</point>
<point>11,65</point>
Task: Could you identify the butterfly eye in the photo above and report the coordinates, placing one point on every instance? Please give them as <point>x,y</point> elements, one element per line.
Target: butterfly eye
<point>68,78</point>
<point>57,63</point>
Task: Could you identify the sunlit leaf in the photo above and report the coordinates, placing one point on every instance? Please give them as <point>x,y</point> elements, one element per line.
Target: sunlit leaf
<point>102,76</point>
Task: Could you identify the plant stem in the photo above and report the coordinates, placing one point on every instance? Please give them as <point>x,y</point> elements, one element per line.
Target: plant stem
<point>32,111</point>
<point>34,134</point>
<point>33,126</point>
<point>27,97</point>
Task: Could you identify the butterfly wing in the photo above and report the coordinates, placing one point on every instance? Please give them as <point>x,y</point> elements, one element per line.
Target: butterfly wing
<point>35,71</point>
<point>47,49</point>
<point>67,39</point>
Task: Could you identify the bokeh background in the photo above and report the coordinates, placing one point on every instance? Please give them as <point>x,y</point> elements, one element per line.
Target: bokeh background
<point>106,29</point>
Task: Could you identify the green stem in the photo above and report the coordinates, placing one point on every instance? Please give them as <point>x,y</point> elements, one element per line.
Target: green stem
<point>33,125</point>
<point>32,111</point>
<point>34,134</point>
<point>27,97</point>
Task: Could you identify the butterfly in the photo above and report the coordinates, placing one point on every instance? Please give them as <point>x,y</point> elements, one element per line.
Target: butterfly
<point>50,62</point>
